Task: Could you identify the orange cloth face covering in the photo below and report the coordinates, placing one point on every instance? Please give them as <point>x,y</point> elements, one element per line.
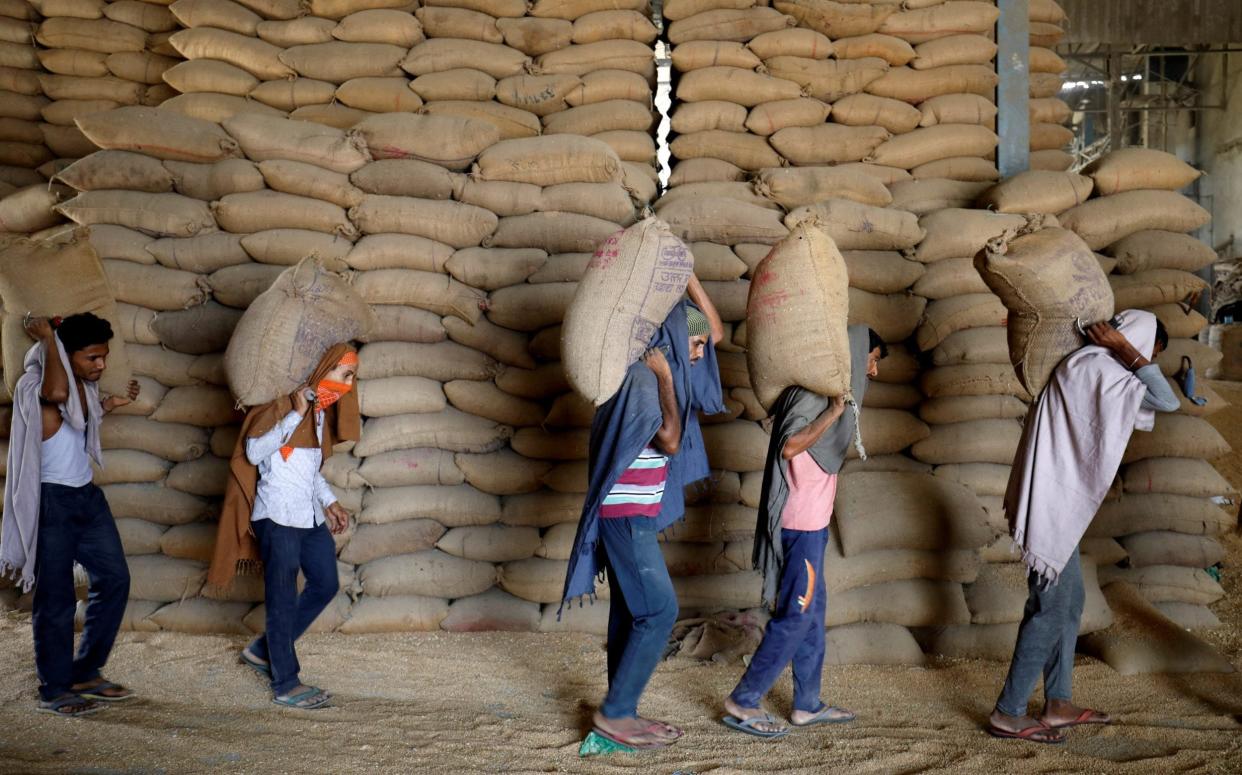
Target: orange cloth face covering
<point>327,393</point>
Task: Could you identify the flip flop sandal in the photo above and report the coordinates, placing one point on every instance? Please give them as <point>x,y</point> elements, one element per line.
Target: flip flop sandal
<point>822,717</point>
<point>1082,720</point>
<point>262,668</point>
<point>301,700</point>
<point>629,743</point>
<point>748,726</point>
<point>1028,734</point>
<point>672,733</point>
<point>97,692</point>
<point>60,705</point>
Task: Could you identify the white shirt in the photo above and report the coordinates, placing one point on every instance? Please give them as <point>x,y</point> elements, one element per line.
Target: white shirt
<point>290,492</point>
<point>65,461</point>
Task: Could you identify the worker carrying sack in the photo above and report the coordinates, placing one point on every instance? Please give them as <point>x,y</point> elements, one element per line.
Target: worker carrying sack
<point>629,287</point>
<point>796,318</point>
<point>1053,287</point>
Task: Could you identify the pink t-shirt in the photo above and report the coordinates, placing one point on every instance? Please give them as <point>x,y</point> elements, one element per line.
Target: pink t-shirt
<point>811,494</point>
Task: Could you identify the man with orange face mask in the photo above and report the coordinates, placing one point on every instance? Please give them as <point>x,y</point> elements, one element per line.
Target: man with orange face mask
<point>279,510</point>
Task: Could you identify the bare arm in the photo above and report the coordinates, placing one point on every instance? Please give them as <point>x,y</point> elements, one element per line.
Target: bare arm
<point>1104,335</point>
<point>805,439</point>
<point>55,387</point>
<point>668,437</point>
<point>700,297</point>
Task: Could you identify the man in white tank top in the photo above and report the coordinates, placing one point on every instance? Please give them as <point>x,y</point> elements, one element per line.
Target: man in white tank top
<point>75,525</point>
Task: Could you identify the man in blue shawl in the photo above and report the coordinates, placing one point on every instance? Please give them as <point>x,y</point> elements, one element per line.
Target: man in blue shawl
<point>645,447</point>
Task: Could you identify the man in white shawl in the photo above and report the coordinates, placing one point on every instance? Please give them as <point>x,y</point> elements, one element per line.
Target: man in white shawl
<point>1070,451</point>
<point>55,516</point>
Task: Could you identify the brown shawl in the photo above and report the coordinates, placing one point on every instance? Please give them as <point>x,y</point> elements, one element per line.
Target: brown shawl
<point>236,549</point>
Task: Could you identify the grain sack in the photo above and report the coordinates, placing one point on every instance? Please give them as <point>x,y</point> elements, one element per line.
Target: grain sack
<point>1177,436</point>
<point>405,177</point>
<point>450,142</point>
<point>627,55</point>
<point>889,431</point>
<point>837,20</point>
<point>912,603</point>
<point>957,109</point>
<point>923,197</point>
<point>827,79</point>
<point>131,465</point>
<point>507,347</point>
<point>872,644</point>
<point>29,209</point>
<point>502,473</point>
<point>288,327</point>
<point>797,43</point>
<point>1139,513</point>
<point>90,34</point>
<point>535,579</point>
<point>1049,281</point>
<point>1175,476</point>
<point>409,467</point>
<point>723,221</point>
<point>827,143</point>
<point>255,56</point>
<point>567,445</point>
<point>915,86</point>
<point>747,152</point>
<point>503,197</point>
<point>1189,616</point>
<point>449,430</point>
<point>920,513</point>
<point>736,446</point>
<point>1155,286</point>
<point>238,286</point>
<point>434,56</point>
<point>769,117</point>
<point>734,84</point>
<point>973,441</point>
<point>265,138</point>
<point>114,169</point>
<point>534,36</point>
<point>855,226</point>
<point>1162,547</point>
<point>370,542</point>
<point>484,399</point>
<point>975,345</point>
<point>450,506</point>
<point>214,181</point>
<point>881,271</point>
<point>964,49</point>
<point>699,54</point>
<point>206,476</point>
<point>164,440</point>
<point>1103,221</point>
<point>796,318</point>
<point>206,406</point>
<point>842,573</point>
<point>958,232</point>
<point>948,316</point>
<point>867,109</point>
<point>929,144</point>
<point>426,573</point>
<point>441,361</point>
<point>1037,191</point>
<point>941,20</point>
<point>950,277</point>
<point>941,411</point>
<point>159,133</point>
<point>548,161</point>
<point>1129,169</point>
<point>530,307</point>
<point>640,275</point>
<point>400,613</point>
<point>214,13</point>
<point>797,186</point>
<point>452,223</point>
<point>727,24</point>
<point>1143,640</point>
<point>1156,249</point>
<point>554,232</point>
<point>492,611</point>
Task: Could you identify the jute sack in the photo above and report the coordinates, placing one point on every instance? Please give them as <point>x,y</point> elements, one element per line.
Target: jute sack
<point>872,643</point>
<point>729,24</point>
<point>828,143</point>
<point>1189,616</point>
<point>139,536</point>
<point>837,20</point>
<point>115,169</point>
<point>206,406</point>
<point>921,513</point>
<point>855,226</point>
<point>793,187</point>
<point>867,109</point>
<point>510,122</point>
<point>1151,287</point>
<point>932,143</point>
<point>546,161</point>
<point>893,50</point>
<point>400,613</point>
<point>635,278</point>
<point>796,43</point>
<point>1140,513</point>
<point>1129,169</point>
<point>1176,476</point>
<point>1048,280</point>
<point>957,109</point>
<point>431,291</point>
<point>164,579</point>
<point>206,476</point>
<point>426,573</point>
<point>603,85</point>
<point>796,317</point>
<point>922,197</point>
<point>288,328</point>
<point>530,307</point>
<point>536,579</point>
<point>876,567</point>
<point>450,506</point>
<point>1143,640</point>
<point>941,20</point>
<point>441,361</point>
<point>502,197</point>
<point>889,431</point>
<point>410,466</point>
<point>1101,222</point>
<point>955,232</point>
<point>950,277</point>
<point>542,382</point>
<point>748,152</point>
<point>712,593</point>
<point>370,542</point>
<point>165,214</point>
<point>770,117</point>
<point>238,286</point>
<point>975,345</point>
<point>1038,191</point>
<point>165,440</point>
<point>502,473</point>
<point>214,181</point>
<point>972,441</point>
<point>628,55</point>
<point>453,143</point>
<point>1177,435</point>
<point>29,209</point>
<point>556,232</point>
<point>294,94</point>
<point>492,611</point>
<point>452,223</point>
<point>1168,583</point>
<point>91,35</point>
<point>964,49</point>
<point>984,479</point>
<point>156,503</point>
<point>200,616</point>
<point>405,177</point>
<point>449,430</point>
<point>255,56</point>
<point>704,171</point>
<point>915,86</point>
<point>262,210</point>
<point>1162,547</point>
<point>960,168</point>
<point>700,54</point>
<point>534,36</point>
<point>942,411</point>
<point>948,316</point>
<point>269,137</point>
<point>540,94</point>
<point>49,279</point>
<point>329,620</point>
<point>972,379</point>
<point>827,79</point>
<point>736,446</point>
<point>912,603</point>
<point>881,271</point>
<point>131,465</point>
<point>1156,249</point>
<point>723,221</point>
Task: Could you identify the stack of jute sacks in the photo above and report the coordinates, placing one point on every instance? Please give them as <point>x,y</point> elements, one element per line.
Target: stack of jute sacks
<point>1048,112</point>
<point>448,480</point>
<point>1164,519</point>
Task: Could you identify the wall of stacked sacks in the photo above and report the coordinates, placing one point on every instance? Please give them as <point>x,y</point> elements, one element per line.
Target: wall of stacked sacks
<point>460,163</point>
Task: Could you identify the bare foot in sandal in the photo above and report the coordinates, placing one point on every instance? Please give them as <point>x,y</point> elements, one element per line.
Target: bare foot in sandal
<point>668,732</point>
<point>1022,728</point>
<point>303,697</point>
<point>103,689</point>
<point>1059,714</point>
<point>69,705</point>
<point>635,732</point>
<point>766,726</point>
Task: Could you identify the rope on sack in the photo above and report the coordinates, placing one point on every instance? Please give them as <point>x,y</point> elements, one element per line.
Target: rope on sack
<point>858,442</point>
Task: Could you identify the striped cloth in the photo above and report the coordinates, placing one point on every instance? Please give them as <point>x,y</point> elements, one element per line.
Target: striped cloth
<point>640,489</point>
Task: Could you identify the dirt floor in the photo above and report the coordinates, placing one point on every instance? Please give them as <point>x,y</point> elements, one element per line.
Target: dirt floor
<point>500,702</point>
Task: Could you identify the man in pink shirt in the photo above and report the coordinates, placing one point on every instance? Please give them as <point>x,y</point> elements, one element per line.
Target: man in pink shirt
<point>811,435</point>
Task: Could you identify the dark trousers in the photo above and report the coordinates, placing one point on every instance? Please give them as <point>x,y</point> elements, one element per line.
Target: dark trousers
<point>285,551</point>
<point>795,633</point>
<point>76,525</point>
<point>641,611</point>
<point>1046,640</point>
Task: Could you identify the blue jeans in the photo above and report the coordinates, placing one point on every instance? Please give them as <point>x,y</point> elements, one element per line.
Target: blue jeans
<point>795,633</point>
<point>641,611</point>
<point>75,524</point>
<point>285,551</point>
<point>1046,640</point>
